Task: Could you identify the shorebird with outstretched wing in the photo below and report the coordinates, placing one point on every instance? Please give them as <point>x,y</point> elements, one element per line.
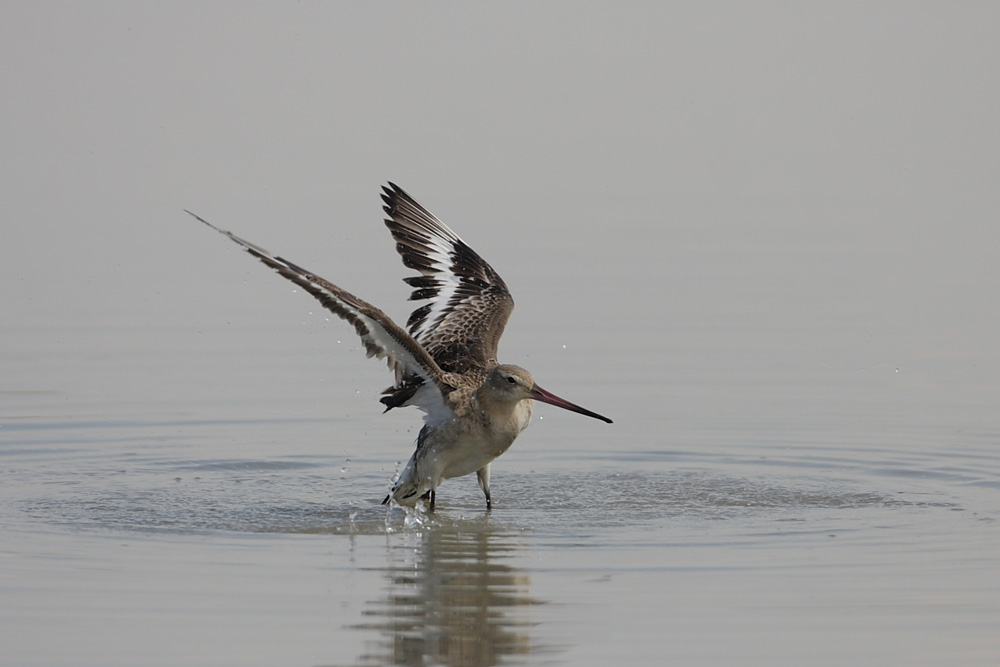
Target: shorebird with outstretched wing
<point>445,363</point>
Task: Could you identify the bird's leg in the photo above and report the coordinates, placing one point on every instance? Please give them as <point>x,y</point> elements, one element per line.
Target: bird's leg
<point>429,498</point>
<point>483,475</point>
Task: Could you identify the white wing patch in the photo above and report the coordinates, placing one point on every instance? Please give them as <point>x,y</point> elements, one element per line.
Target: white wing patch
<point>467,301</point>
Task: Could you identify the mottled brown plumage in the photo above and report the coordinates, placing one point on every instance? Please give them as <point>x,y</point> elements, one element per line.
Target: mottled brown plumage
<point>446,364</point>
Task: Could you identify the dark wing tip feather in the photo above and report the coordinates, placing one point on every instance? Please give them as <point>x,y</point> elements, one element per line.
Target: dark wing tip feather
<point>468,302</point>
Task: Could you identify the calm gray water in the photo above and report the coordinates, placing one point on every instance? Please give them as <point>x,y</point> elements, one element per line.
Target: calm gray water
<point>762,238</point>
<point>210,496</point>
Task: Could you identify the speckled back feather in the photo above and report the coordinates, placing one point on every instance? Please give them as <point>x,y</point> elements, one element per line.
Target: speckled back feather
<point>468,302</point>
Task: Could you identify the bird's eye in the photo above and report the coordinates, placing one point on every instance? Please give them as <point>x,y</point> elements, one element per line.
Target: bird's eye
<point>510,378</point>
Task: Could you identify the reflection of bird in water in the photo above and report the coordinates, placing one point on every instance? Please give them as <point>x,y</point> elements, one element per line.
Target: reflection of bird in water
<point>454,600</point>
<point>446,364</point>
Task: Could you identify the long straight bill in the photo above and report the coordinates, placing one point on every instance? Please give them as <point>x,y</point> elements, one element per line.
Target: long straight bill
<point>540,394</point>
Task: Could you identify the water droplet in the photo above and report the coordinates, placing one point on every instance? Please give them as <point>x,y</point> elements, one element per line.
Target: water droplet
<point>415,517</point>
<point>388,514</point>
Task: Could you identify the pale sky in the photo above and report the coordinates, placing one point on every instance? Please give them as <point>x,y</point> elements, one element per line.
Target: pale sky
<point>605,130</point>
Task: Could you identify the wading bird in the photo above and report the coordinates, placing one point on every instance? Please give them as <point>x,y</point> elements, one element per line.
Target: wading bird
<point>445,364</point>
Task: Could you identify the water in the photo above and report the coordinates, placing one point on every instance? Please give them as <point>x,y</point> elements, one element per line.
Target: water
<point>760,238</point>
<point>246,529</point>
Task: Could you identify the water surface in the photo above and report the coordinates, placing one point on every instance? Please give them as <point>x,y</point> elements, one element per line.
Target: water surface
<point>761,238</point>
<point>243,531</point>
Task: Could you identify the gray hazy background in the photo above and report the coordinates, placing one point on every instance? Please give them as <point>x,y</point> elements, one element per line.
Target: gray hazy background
<point>774,171</point>
<point>762,237</point>
<point>628,133</point>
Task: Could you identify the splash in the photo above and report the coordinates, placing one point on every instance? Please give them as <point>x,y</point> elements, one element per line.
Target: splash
<point>414,518</point>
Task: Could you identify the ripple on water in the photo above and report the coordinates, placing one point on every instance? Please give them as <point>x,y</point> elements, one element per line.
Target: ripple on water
<point>295,499</point>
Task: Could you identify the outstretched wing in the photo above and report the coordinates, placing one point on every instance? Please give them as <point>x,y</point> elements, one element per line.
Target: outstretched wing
<point>469,303</point>
<point>381,337</point>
